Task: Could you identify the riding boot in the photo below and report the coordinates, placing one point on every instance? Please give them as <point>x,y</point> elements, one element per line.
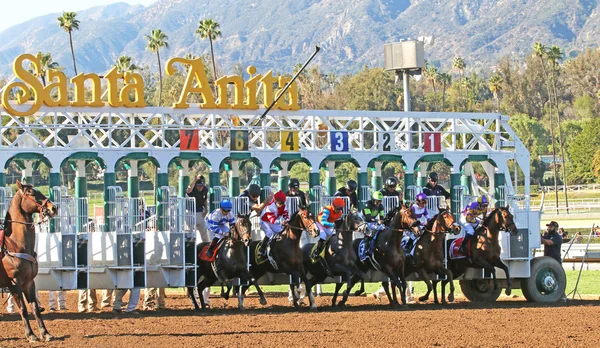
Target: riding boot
<point>211,248</point>
<point>263,247</point>
<point>465,243</point>
<point>318,249</point>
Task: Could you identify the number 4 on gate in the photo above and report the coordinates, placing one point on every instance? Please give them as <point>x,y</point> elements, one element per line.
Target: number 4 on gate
<point>289,141</point>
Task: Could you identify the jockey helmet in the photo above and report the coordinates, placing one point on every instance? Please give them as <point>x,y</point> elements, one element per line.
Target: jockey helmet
<point>351,185</point>
<point>339,202</point>
<point>294,183</point>
<point>254,190</point>
<point>377,196</point>
<point>391,181</point>
<point>226,204</point>
<point>280,196</point>
<point>433,176</point>
<point>473,206</point>
<point>421,197</point>
<point>483,201</point>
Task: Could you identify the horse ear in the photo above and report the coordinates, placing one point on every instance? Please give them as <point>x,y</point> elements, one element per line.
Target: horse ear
<point>507,206</point>
<point>19,186</point>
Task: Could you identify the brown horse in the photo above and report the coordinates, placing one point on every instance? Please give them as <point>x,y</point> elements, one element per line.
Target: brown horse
<point>485,247</point>
<point>340,257</point>
<point>231,261</point>
<point>286,252</point>
<point>429,253</point>
<point>19,265</point>
<point>388,253</point>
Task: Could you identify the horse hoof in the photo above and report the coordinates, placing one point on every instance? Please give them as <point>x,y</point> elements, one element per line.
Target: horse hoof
<point>48,337</point>
<point>438,302</point>
<point>225,296</point>
<point>242,309</point>
<point>263,301</point>
<point>508,292</point>
<point>358,293</point>
<point>423,298</point>
<point>451,298</point>
<point>313,308</point>
<point>341,305</point>
<point>32,338</point>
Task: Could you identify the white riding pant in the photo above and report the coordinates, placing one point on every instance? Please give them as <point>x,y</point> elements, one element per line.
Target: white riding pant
<point>221,231</point>
<point>62,299</point>
<point>467,226</point>
<point>324,232</point>
<point>270,229</point>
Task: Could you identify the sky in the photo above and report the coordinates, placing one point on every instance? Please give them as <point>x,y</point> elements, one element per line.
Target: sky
<point>15,12</point>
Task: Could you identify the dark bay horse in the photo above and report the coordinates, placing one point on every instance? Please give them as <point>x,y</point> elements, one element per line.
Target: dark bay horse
<point>230,262</point>
<point>19,266</point>
<point>485,247</point>
<point>429,253</point>
<point>388,253</point>
<point>340,257</point>
<point>286,252</point>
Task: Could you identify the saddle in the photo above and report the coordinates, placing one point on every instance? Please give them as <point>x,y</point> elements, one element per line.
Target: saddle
<point>202,255</point>
<point>321,259</point>
<point>262,259</point>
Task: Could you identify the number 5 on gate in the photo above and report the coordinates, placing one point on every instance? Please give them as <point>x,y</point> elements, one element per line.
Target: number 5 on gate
<point>289,141</point>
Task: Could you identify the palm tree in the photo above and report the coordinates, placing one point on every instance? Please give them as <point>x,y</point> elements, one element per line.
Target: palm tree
<point>46,64</point>
<point>208,28</point>
<point>445,79</point>
<point>68,23</point>
<point>459,64</point>
<point>495,83</point>
<point>539,50</point>
<point>124,64</point>
<point>554,55</point>
<point>432,76</point>
<point>156,40</point>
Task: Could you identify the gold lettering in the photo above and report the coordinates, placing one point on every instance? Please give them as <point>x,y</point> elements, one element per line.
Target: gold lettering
<point>268,80</point>
<point>238,95</point>
<point>195,74</point>
<point>28,80</point>
<point>292,94</point>
<point>79,92</point>
<point>112,83</point>
<point>251,88</point>
<point>61,89</point>
<point>134,82</point>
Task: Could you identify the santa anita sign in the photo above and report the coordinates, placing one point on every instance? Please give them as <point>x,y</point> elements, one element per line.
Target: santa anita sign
<point>130,93</point>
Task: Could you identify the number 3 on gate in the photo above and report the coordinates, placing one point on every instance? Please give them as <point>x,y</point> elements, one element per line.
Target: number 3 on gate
<point>339,141</point>
<point>239,140</point>
<point>289,141</point>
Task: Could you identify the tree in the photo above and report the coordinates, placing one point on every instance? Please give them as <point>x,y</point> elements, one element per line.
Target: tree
<point>431,73</point>
<point>445,79</point>
<point>46,64</point>
<point>208,28</point>
<point>124,64</point>
<point>534,136</point>
<point>539,50</point>
<point>68,23</point>
<point>156,40</point>
<point>495,83</point>
<point>581,153</point>
<point>459,64</point>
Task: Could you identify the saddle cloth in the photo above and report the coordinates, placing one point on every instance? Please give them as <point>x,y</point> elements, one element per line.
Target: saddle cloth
<point>362,254</point>
<point>262,259</point>
<point>1,243</point>
<point>202,256</point>
<point>404,244</point>
<point>454,253</point>
<point>321,254</point>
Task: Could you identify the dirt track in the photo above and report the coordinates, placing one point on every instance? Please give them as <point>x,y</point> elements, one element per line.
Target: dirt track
<point>507,323</point>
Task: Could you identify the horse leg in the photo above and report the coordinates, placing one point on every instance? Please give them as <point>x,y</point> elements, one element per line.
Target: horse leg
<point>250,279</point>
<point>30,295</point>
<point>449,279</point>
<point>347,292</point>
<point>293,290</point>
<point>498,263</point>
<point>435,296</point>
<point>490,268</point>
<point>362,288</point>
<point>338,286</point>
<point>190,292</point>
<point>16,292</point>
<point>353,280</point>
<point>311,298</point>
<point>427,281</point>
<point>386,286</point>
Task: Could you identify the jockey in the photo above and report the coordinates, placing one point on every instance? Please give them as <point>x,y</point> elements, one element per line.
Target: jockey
<point>219,222</point>
<point>373,214</point>
<point>273,219</point>
<point>326,221</point>
<point>469,219</point>
<point>420,208</point>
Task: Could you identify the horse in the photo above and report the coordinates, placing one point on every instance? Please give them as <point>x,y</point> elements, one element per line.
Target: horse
<point>340,257</point>
<point>429,253</point>
<point>230,262</point>
<point>485,248</point>
<point>286,253</point>
<point>388,253</point>
<point>19,266</point>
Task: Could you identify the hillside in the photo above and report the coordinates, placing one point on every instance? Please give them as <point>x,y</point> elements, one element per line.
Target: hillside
<point>277,34</point>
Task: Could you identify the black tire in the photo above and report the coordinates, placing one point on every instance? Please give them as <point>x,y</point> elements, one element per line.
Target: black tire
<point>547,282</point>
<point>479,290</point>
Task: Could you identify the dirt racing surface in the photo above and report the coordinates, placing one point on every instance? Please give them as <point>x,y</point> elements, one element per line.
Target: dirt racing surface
<point>363,323</point>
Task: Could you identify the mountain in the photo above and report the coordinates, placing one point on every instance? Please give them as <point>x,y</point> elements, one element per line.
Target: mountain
<point>278,34</point>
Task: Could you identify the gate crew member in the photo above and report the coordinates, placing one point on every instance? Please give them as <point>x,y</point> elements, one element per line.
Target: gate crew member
<point>349,191</point>
<point>253,194</point>
<point>273,219</point>
<point>390,188</point>
<point>433,189</point>
<point>219,223</point>
<point>469,220</point>
<point>326,222</point>
<point>294,191</point>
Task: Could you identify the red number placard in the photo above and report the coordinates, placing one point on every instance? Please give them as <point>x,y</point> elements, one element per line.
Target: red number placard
<point>188,140</point>
<point>433,142</point>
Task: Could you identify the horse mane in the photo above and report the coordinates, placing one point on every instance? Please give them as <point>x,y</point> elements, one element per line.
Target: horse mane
<point>488,219</point>
<point>429,225</point>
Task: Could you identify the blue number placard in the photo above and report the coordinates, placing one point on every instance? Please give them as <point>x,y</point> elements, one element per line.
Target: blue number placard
<point>339,141</point>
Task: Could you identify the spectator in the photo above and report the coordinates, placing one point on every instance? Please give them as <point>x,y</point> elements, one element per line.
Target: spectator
<point>562,233</point>
<point>578,238</point>
<point>552,242</point>
<point>433,189</point>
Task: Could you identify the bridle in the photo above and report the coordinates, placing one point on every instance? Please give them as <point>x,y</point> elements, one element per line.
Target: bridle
<point>307,223</point>
<point>446,229</point>
<point>41,208</point>
<point>503,225</point>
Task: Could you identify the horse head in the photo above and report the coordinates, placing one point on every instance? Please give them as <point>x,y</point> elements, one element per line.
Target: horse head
<point>444,222</point>
<point>243,229</point>
<point>349,223</point>
<point>34,201</point>
<point>502,219</point>
<point>303,219</point>
<point>408,219</point>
